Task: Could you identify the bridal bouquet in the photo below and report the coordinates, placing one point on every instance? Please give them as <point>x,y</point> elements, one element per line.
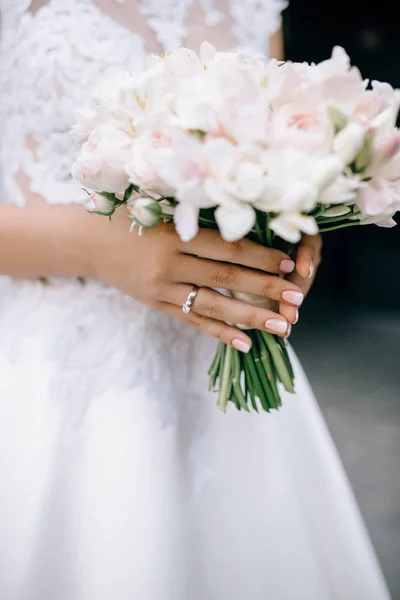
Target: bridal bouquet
<point>257,149</point>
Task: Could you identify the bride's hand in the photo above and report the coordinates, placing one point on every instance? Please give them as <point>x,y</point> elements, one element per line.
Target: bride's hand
<point>159,270</point>
<point>308,258</point>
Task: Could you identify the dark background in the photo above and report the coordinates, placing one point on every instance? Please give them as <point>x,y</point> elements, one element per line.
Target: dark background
<point>348,336</point>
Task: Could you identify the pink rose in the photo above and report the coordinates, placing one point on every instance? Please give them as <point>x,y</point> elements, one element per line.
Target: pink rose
<point>308,129</point>
<point>100,165</point>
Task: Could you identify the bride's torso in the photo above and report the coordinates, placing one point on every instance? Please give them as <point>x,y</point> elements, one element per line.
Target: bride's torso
<point>93,337</point>
<point>53,50</point>
<point>51,53</point>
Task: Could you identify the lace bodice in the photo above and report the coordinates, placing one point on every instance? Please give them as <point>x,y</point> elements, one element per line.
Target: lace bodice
<point>53,50</point>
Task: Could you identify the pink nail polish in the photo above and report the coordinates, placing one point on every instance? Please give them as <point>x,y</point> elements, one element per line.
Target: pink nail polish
<point>287,266</point>
<point>292,297</point>
<point>276,325</point>
<point>288,332</point>
<point>241,345</point>
<point>311,270</point>
<point>297,317</point>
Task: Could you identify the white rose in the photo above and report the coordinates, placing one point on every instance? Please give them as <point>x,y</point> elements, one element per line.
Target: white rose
<point>101,163</point>
<point>150,149</point>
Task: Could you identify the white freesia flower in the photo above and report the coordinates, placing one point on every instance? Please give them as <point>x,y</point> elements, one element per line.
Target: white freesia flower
<point>295,180</point>
<point>101,163</point>
<point>374,101</point>
<point>236,173</point>
<point>86,119</point>
<point>337,82</point>
<point>343,190</point>
<point>235,220</point>
<point>136,102</point>
<point>289,226</point>
<point>184,169</point>
<point>385,121</point>
<point>348,142</point>
<point>379,197</point>
<point>386,221</point>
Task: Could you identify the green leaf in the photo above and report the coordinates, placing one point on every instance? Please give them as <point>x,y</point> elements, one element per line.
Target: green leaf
<point>111,197</point>
<point>101,214</point>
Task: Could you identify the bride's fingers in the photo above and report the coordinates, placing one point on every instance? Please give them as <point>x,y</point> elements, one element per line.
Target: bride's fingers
<point>209,244</point>
<point>291,313</point>
<point>213,274</point>
<point>308,255</point>
<point>214,305</point>
<point>223,332</point>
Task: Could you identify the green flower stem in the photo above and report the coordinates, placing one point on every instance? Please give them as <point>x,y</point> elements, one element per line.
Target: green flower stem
<point>325,220</point>
<point>226,379</point>
<point>269,370</point>
<point>236,382</point>
<point>251,368</point>
<point>215,366</point>
<point>249,382</point>
<point>344,226</point>
<point>279,362</point>
<point>285,353</point>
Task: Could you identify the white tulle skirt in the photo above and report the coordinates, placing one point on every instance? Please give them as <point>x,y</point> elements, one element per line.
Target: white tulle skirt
<point>120,479</point>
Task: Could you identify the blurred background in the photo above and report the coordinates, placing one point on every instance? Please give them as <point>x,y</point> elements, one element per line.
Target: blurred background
<point>348,336</point>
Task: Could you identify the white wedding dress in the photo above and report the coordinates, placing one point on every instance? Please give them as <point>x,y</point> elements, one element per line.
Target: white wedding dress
<point>119,478</point>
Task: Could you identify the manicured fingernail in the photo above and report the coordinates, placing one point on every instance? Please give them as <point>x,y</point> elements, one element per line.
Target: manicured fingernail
<point>287,266</point>
<point>297,317</point>
<point>276,325</point>
<point>289,331</point>
<point>241,345</point>
<point>292,297</point>
<point>311,270</point>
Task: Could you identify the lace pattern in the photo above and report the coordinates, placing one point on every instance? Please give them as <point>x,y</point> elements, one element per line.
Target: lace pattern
<point>114,343</point>
<point>48,61</point>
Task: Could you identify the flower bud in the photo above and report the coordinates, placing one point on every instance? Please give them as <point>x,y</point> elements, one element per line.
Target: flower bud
<point>145,211</point>
<point>102,204</point>
<point>327,171</point>
<point>338,118</point>
<point>348,142</point>
<point>364,158</point>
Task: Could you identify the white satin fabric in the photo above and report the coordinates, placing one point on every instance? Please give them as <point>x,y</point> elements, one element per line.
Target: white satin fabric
<point>119,478</point>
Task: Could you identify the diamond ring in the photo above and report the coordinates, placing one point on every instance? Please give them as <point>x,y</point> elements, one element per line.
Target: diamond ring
<point>187,306</point>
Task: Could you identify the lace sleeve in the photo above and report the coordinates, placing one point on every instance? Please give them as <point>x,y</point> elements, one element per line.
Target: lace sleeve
<point>48,61</point>
<point>53,50</point>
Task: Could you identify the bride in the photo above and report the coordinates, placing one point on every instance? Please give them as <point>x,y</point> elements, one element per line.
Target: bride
<point>119,478</point>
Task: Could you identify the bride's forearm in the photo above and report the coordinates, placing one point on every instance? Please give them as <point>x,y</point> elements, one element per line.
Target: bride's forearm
<point>45,240</point>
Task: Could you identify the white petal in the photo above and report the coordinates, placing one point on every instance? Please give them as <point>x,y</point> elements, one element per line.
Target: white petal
<point>235,221</point>
<point>186,218</point>
<point>326,171</point>
<point>207,52</point>
<point>285,230</point>
<point>380,220</point>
